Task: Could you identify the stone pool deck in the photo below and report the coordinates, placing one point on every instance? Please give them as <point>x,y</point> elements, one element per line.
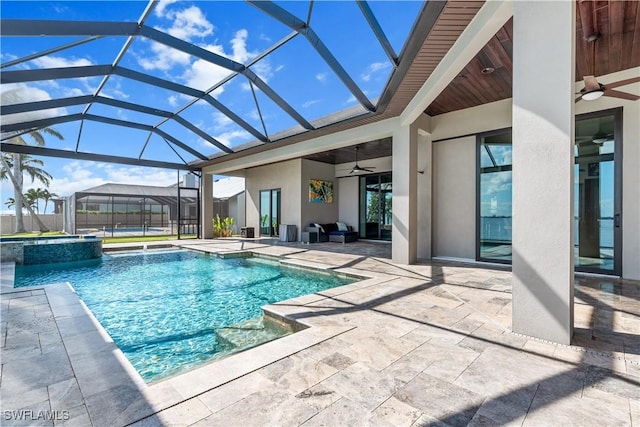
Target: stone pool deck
<point>428,344</point>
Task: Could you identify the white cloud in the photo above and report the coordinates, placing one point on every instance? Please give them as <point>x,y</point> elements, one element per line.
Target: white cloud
<point>164,58</point>
<point>310,103</point>
<point>17,93</point>
<point>189,23</point>
<point>239,46</point>
<point>373,69</point>
<point>203,74</point>
<point>161,6</point>
<point>61,62</point>
<point>496,183</point>
<point>278,68</point>
<point>227,137</point>
<point>78,176</point>
<point>220,121</point>
<point>350,100</point>
<point>321,77</point>
<point>173,100</point>
<point>73,91</point>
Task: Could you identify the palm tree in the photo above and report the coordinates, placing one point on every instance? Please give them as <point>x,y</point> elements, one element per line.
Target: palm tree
<point>16,176</point>
<point>32,196</point>
<point>10,202</point>
<point>46,196</point>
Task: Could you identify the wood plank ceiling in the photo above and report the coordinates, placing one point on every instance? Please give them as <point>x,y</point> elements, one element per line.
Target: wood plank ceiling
<point>617,48</point>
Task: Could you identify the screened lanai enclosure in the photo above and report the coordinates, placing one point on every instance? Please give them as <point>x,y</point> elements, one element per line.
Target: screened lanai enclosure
<point>112,210</point>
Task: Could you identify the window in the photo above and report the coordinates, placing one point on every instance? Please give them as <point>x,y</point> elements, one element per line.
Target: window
<point>494,195</point>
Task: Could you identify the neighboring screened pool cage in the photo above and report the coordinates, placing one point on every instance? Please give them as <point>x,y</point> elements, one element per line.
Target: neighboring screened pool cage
<point>127,210</point>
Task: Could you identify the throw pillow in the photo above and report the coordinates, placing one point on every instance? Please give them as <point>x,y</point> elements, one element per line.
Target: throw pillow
<point>342,226</point>
<point>315,224</point>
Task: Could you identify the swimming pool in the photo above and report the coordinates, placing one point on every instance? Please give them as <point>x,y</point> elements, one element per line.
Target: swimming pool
<point>175,310</point>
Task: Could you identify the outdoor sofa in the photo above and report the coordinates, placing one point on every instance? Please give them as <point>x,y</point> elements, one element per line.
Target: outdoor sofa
<point>334,232</point>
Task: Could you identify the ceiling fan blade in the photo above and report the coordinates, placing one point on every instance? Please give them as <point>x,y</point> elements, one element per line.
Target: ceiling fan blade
<point>621,95</point>
<point>578,99</point>
<point>366,170</point>
<point>623,82</point>
<point>590,83</point>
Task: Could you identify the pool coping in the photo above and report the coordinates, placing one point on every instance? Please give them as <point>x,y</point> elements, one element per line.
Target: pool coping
<point>155,396</point>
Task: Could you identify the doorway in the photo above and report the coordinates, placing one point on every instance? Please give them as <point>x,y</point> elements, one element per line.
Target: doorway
<point>376,201</point>
<point>269,212</point>
<point>597,193</point>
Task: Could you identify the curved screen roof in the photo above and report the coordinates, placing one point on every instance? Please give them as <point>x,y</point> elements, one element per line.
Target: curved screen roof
<point>175,83</point>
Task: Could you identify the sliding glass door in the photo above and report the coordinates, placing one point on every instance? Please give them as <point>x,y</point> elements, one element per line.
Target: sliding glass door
<point>494,195</point>
<point>597,199</point>
<point>597,194</point>
<point>376,193</point>
<point>269,212</point>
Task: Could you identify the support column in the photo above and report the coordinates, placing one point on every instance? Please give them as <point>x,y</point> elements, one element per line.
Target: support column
<point>543,138</point>
<point>405,216</point>
<point>207,205</point>
<point>425,196</point>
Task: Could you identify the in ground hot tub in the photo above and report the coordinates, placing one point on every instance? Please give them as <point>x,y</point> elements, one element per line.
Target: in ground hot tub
<point>47,250</point>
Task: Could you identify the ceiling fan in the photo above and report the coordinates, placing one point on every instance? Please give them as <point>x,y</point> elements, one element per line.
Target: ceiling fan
<point>592,88</point>
<point>357,168</point>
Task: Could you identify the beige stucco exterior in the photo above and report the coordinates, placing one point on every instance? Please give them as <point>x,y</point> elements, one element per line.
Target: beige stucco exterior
<point>434,166</point>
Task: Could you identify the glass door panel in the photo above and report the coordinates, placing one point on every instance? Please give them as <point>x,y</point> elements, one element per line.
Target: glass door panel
<point>494,193</point>
<point>596,202</point>
<point>275,212</point>
<point>375,206</point>
<point>386,199</point>
<point>265,213</point>
<point>269,212</point>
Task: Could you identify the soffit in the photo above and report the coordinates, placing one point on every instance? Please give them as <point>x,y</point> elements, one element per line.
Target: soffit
<point>617,49</point>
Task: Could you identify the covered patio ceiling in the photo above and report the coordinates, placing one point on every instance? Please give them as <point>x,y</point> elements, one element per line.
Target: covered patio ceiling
<point>437,26</point>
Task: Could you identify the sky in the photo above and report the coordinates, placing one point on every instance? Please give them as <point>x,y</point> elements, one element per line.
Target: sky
<point>233,29</point>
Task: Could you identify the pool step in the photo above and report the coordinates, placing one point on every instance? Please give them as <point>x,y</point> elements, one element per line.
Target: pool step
<point>250,333</point>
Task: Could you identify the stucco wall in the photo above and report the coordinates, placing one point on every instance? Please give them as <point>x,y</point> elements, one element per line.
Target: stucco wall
<point>454,167</point>
<point>454,198</point>
<point>317,212</point>
<point>631,191</point>
<point>348,209</point>
<point>282,175</point>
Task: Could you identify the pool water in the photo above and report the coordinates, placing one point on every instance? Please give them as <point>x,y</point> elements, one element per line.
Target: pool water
<point>175,310</point>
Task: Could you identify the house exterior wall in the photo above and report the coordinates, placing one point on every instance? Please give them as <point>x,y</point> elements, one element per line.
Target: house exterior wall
<point>454,198</point>
<point>283,175</point>
<point>348,197</point>
<point>237,210</point>
<point>454,174</point>
<point>317,212</point>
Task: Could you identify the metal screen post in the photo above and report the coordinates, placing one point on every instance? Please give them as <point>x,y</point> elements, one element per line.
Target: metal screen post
<point>179,213</point>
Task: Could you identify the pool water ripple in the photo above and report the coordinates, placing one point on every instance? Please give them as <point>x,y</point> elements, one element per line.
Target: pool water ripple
<point>166,310</point>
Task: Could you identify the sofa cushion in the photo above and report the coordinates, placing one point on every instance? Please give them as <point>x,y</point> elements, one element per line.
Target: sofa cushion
<point>328,228</point>
<point>342,226</point>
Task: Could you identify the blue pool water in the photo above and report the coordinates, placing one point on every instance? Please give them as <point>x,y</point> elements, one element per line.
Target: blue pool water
<point>166,310</point>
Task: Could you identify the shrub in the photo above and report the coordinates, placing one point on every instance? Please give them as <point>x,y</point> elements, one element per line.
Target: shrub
<point>223,227</point>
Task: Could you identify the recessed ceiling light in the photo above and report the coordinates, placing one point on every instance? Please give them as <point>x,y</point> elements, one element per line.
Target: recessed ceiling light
<point>488,70</point>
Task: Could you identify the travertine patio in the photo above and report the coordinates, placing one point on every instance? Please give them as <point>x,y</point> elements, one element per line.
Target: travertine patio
<point>423,345</point>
